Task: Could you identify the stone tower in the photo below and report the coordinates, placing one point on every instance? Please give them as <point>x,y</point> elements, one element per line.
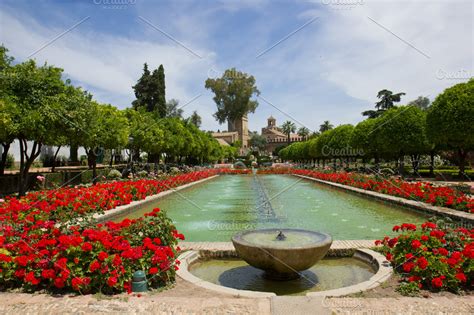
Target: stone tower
<point>271,122</point>
<point>242,128</point>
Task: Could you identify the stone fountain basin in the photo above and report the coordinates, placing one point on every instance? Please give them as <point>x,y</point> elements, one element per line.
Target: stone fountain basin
<point>300,251</point>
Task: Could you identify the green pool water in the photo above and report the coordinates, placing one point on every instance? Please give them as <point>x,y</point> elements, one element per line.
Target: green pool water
<point>327,274</point>
<point>216,209</point>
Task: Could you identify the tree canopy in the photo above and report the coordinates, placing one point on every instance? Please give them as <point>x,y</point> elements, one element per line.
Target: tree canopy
<point>233,94</point>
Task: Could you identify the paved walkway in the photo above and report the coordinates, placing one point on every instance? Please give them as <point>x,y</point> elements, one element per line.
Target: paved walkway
<point>200,302</point>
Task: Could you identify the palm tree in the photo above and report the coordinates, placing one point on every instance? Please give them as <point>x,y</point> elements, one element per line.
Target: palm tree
<point>387,98</point>
<point>288,128</point>
<point>303,132</point>
<point>325,126</point>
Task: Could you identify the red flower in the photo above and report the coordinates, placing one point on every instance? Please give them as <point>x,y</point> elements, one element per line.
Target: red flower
<point>396,228</point>
<point>112,281</point>
<point>424,238</point>
<point>389,256</point>
<point>415,244</point>
<point>59,283</point>
<point>48,274</point>
<point>94,266</point>
<point>422,263</point>
<point>437,282</point>
<point>30,277</point>
<point>153,270</point>
<point>461,277</point>
<point>408,266</point>
<point>87,247</point>
<point>102,256</point>
<point>443,251</point>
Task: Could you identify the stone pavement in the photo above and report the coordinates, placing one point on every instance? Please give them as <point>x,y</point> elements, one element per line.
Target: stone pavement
<point>163,303</point>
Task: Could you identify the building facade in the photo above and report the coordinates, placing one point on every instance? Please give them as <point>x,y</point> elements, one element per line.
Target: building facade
<point>238,130</point>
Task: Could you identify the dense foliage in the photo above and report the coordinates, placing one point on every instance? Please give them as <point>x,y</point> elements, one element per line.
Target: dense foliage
<point>233,93</point>
<point>431,256</point>
<point>49,239</point>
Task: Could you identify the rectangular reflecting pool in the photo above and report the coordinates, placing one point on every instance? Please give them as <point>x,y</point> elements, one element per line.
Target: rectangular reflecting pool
<point>217,209</point>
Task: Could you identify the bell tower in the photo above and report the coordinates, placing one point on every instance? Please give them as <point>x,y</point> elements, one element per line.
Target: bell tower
<point>271,122</point>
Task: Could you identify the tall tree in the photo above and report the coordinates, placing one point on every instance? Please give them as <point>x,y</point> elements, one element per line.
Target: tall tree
<point>288,128</point>
<point>450,120</point>
<point>303,132</point>
<point>387,100</point>
<point>233,94</point>
<point>325,126</point>
<point>159,90</point>
<point>150,91</point>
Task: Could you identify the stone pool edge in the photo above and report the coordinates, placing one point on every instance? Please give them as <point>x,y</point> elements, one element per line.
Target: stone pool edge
<point>378,261</point>
<point>417,205</point>
<point>137,204</point>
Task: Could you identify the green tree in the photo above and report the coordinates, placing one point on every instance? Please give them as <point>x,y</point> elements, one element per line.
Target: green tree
<point>288,128</point>
<point>403,132</point>
<point>387,100</point>
<point>150,91</point>
<point>366,141</point>
<point>303,132</point>
<point>107,129</point>
<point>325,126</point>
<point>338,145</point>
<point>195,119</point>
<point>421,102</point>
<point>257,142</point>
<point>36,93</point>
<point>233,94</point>
<point>8,127</point>
<point>144,133</point>
<point>450,120</point>
<point>172,109</point>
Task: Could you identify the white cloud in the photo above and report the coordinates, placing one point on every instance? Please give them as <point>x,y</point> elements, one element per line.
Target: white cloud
<point>108,65</point>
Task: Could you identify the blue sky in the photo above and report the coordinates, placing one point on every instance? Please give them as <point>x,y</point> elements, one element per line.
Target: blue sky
<point>330,69</point>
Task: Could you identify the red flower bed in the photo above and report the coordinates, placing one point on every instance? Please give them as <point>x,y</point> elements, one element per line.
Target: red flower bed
<point>419,191</point>
<point>102,258</point>
<point>69,202</point>
<point>49,241</point>
<point>431,256</point>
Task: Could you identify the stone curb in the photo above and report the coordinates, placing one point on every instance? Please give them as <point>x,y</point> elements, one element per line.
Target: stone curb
<point>384,271</point>
<point>418,205</point>
<point>135,205</point>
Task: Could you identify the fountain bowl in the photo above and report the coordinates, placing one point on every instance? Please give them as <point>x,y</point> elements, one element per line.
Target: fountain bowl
<point>282,259</point>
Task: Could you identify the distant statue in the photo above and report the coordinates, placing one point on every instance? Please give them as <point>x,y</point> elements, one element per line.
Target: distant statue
<point>281,236</point>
